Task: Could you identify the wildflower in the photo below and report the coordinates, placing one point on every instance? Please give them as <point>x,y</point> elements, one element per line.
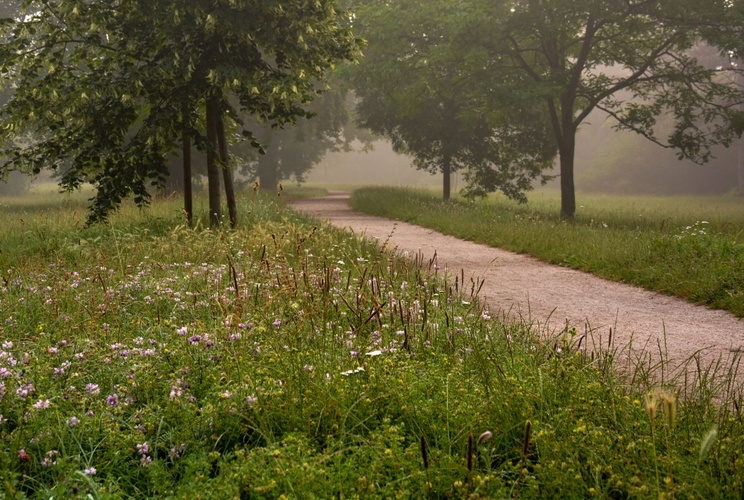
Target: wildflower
<point>23,456</point>
<point>182,331</point>
<point>376,352</point>
<point>194,339</point>
<point>49,458</point>
<point>41,404</point>
<point>352,372</point>
<point>90,471</point>
<point>143,449</point>
<point>484,437</point>
<point>177,452</point>
<point>4,372</point>
<point>92,389</point>
<point>72,421</point>
<point>23,391</point>
<point>112,399</point>
<point>277,323</point>
<point>252,399</point>
<point>308,368</point>
<point>175,392</point>
<point>2,419</point>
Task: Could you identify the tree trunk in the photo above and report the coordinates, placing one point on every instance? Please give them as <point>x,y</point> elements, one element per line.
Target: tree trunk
<point>268,167</point>
<point>740,168</point>
<point>188,193</point>
<point>213,164</point>
<point>566,138</point>
<point>227,173</point>
<point>446,178</point>
<point>568,191</point>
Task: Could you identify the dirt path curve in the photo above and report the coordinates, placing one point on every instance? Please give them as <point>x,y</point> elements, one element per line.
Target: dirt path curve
<point>550,295</point>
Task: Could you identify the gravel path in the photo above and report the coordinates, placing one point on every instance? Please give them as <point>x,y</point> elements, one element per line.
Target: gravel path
<point>550,296</point>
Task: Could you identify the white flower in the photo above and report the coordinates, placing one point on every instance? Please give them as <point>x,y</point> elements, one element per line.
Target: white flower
<point>376,352</point>
<point>352,372</point>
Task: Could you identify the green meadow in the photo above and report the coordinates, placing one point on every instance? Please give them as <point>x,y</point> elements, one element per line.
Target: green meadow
<point>691,247</point>
<point>287,359</point>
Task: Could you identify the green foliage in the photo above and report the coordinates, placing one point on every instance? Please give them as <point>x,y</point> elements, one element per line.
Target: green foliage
<point>104,90</point>
<point>689,247</point>
<point>499,88</point>
<point>298,361</point>
<point>429,83</point>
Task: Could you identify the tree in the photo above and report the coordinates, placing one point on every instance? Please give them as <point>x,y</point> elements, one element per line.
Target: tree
<point>578,55</point>
<point>112,85</point>
<point>427,84</point>
<point>291,152</point>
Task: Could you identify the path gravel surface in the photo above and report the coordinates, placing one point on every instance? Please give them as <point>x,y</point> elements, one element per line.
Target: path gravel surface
<point>551,296</point>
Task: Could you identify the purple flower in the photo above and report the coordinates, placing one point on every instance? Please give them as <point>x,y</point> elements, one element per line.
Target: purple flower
<point>195,339</point>
<point>72,421</point>
<point>252,399</point>
<point>90,471</point>
<point>277,323</point>
<point>41,404</point>
<point>92,389</point>
<point>112,399</point>
<point>143,449</point>
<point>182,331</point>
<point>175,392</point>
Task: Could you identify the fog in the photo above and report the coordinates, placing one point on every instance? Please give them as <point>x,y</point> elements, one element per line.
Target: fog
<point>607,161</point>
<point>380,166</point>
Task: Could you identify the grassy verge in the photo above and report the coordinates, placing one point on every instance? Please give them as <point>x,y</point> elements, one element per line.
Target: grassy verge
<point>289,360</point>
<point>689,247</point>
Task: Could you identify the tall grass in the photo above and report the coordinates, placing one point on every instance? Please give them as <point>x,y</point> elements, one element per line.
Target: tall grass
<point>689,247</point>
<point>287,359</point>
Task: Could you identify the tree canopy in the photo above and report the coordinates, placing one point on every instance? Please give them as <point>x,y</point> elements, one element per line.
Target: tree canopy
<point>535,66</point>
<point>426,83</point>
<point>104,90</point>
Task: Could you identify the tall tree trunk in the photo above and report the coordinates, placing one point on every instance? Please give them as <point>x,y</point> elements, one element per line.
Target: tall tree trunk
<point>188,193</point>
<point>446,178</point>
<point>213,164</point>
<point>740,168</point>
<point>227,173</point>
<point>568,190</point>
<point>268,166</point>
<point>566,139</point>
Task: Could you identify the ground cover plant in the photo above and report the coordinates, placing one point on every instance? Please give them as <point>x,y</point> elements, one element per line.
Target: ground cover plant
<point>287,359</point>
<point>691,247</point>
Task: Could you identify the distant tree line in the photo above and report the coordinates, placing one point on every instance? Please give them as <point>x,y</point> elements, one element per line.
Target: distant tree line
<point>107,92</point>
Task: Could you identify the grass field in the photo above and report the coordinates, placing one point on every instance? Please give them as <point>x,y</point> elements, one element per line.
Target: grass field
<point>287,359</point>
<point>684,246</point>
